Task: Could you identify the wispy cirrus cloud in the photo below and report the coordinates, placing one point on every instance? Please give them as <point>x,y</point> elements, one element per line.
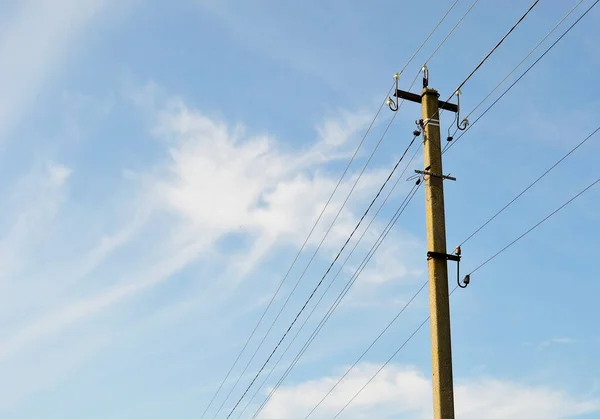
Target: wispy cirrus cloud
<point>33,45</point>
<point>214,184</point>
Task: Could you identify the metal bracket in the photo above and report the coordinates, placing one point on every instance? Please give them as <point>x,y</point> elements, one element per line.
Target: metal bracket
<point>413,97</point>
<point>437,255</point>
<point>455,258</point>
<point>424,172</point>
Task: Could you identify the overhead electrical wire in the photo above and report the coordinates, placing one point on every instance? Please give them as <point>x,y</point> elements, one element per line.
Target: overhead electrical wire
<point>308,264</point>
<point>435,51</point>
<point>450,145</point>
<point>323,277</point>
<point>468,77</point>
<point>341,295</point>
<point>430,57</point>
<point>533,228</point>
<point>293,263</point>
<point>479,66</point>
<point>525,58</point>
<point>313,228</point>
<point>489,54</point>
<point>334,306</point>
<point>529,187</point>
<point>337,302</point>
<point>384,134</point>
<point>451,32</point>
<point>461,85</point>
<point>414,80</point>
<point>351,281</point>
<point>385,364</point>
<point>385,329</point>
<point>456,286</point>
<point>297,256</point>
<point>429,36</point>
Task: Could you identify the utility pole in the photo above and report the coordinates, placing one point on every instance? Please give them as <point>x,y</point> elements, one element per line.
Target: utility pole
<point>441,345</point>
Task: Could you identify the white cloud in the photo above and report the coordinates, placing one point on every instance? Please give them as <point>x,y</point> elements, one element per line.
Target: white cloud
<point>32,47</point>
<point>222,180</point>
<point>30,205</point>
<point>336,131</point>
<point>58,173</point>
<point>556,341</point>
<point>215,182</point>
<point>400,391</point>
<point>391,262</point>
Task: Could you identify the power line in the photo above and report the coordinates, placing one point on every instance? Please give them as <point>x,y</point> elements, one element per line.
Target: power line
<point>497,45</point>
<point>430,35</point>
<point>454,92</point>
<point>534,227</point>
<point>329,313</point>
<point>383,135</point>
<point>526,57</point>
<point>432,54</point>
<point>455,287</point>
<point>480,64</point>
<point>310,260</point>
<point>342,294</point>
<point>488,55</point>
<point>522,75</point>
<point>381,368</point>
<point>468,77</point>
<point>294,262</point>
<point>448,145</point>
<point>529,186</point>
<point>387,362</point>
<point>430,57</point>
<point>368,349</point>
<point>440,45</point>
<point>451,32</point>
<point>317,221</point>
<point>323,278</point>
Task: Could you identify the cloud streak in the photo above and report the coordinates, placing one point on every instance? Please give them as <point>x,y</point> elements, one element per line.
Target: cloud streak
<point>33,46</point>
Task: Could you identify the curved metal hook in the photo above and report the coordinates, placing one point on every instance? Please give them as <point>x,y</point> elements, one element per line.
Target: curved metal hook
<point>391,104</point>
<point>389,101</point>
<point>465,122</point>
<point>465,282</point>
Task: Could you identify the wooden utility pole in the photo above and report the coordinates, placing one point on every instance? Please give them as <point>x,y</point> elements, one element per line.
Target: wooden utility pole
<point>441,347</point>
<point>437,258</point>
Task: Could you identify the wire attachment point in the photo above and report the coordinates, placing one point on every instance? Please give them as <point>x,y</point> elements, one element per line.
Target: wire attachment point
<point>455,258</point>
<point>393,105</point>
<point>426,172</point>
<point>419,130</point>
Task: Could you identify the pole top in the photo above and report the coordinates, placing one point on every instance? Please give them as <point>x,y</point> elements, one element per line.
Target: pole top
<point>428,91</point>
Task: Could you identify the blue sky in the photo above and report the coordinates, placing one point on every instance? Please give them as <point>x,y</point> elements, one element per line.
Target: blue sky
<point>162,163</point>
